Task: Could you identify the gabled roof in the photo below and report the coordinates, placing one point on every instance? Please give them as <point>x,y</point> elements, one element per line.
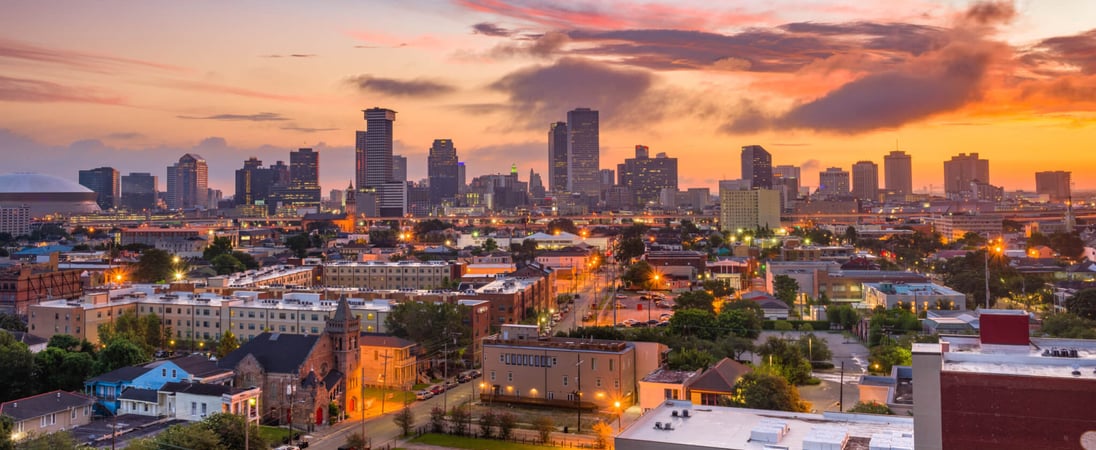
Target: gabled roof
<point>277,353</point>
<point>26,338</point>
<point>121,374</point>
<point>198,366</point>
<point>721,377</point>
<point>342,312</point>
<point>383,340</point>
<point>42,404</point>
<point>141,395</point>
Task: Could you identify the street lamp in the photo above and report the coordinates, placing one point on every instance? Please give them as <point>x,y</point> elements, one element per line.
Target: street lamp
<point>995,249</point>
<point>616,405</point>
<point>247,423</point>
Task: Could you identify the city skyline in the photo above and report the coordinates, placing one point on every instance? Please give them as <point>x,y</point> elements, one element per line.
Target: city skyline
<point>135,98</point>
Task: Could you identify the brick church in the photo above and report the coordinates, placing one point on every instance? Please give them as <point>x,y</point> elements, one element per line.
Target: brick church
<point>303,376</point>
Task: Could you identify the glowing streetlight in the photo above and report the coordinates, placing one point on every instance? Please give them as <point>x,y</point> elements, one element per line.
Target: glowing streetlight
<point>178,276</point>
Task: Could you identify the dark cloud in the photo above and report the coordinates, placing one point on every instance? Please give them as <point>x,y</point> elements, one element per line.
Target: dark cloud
<point>885,100</point>
<point>1077,51</point>
<point>901,38</point>
<point>257,117</point>
<point>991,13</point>
<point>124,135</point>
<point>479,108</point>
<point>490,29</point>
<point>810,165</point>
<point>542,45</point>
<point>401,88</point>
<point>306,129</point>
<point>542,94</point>
<point>38,91</point>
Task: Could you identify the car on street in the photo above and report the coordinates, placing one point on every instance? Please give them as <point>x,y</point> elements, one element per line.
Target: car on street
<point>437,389</point>
<point>464,378</point>
<point>621,296</point>
<point>663,324</point>
<point>631,322</point>
<point>423,395</point>
<point>450,384</point>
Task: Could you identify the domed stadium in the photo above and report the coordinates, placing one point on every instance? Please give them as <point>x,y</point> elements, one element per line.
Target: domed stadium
<point>46,194</point>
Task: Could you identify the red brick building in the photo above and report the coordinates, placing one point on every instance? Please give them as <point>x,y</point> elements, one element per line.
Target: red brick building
<point>29,284</point>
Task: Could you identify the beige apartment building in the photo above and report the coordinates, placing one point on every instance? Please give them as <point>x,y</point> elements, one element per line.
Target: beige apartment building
<point>201,317</point>
<point>390,275</point>
<point>47,413</point>
<point>520,367</point>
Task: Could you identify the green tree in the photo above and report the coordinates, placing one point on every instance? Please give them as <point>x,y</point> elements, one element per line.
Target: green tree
<point>356,440</point>
<point>120,353</point>
<point>742,322</point>
<point>544,426</point>
<point>384,238</point>
<point>689,359</point>
<point>871,408</point>
<point>1083,304</point>
<point>219,246</point>
<point>60,369</point>
<point>459,416</point>
<point>850,235</point>
<point>562,225</point>
<point>427,323</point>
<point>761,389</point>
<point>1069,245</point>
<point>6,427</point>
<point>814,348</point>
<point>227,344</point>
<point>487,421</point>
<point>883,357</point>
<point>842,315</point>
<point>695,300</point>
<point>603,434</point>
<point>17,377</point>
<point>229,429</point>
<point>50,441</point>
<point>437,420</point>
<point>404,419</point>
<point>785,288</point>
<point>785,359</point>
<point>1068,326</point>
<point>694,322</point>
<point>719,288</point>
<point>629,248</point>
<point>299,244</point>
<point>246,259</point>
<point>490,245</point>
<point>507,422</point>
<point>12,322</point>
<point>155,265</point>
<point>226,264</point>
<point>638,275</point>
<point>190,436</point>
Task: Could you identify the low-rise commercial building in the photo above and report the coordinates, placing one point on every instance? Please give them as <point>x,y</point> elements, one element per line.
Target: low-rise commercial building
<point>521,367</point>
<point>184,242</point>
<point>913,296</point>
<point>955,226</point>
<point>280,275</point>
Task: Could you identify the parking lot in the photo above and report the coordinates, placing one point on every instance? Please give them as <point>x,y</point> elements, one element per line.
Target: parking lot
<point>636,309</point>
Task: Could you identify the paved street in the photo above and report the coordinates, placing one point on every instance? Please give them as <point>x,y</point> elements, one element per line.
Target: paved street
<point>824,397</point>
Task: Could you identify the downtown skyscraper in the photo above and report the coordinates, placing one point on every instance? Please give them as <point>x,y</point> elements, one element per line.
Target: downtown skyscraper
<point>757,167</point>
<point>442,170</point>
<point>188,183</point>
<point>646,177</point>
<point>898,173</point>
<point>139,191</point>
<point>304,179</point>
<point>961,170</point>
<point>583,152</point>
<point>557,157</point>
<point>383,195</point>
<point>865,180</point>
<point>106,184</point>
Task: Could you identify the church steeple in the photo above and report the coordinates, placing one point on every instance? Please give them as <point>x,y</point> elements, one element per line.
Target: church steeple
<point>344,329</point>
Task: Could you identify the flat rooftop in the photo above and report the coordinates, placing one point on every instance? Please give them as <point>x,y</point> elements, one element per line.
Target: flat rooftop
<point>1044,357</point>
<point>589,345</point>
<point>669,376</point>
<point>911,289</point>
<point>719,427</point>
<point>251,277</point>
<point>506,285</point>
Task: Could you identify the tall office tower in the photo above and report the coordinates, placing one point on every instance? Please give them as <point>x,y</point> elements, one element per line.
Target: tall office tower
<point>304,179</point>
<point>536,186</point>
<point>374,148</point>
<point>557,157</point>
<point>583,152</point>
<point>606,178</point>
<point>757,166</point>
<point>442,170</point>
<point>647,177</point>
<point>865,180</point>
<point>1055,184</point>
<point>961,170</point>
<point>279,174</point>
<point>106,184</point>
<point>374,166</point>
<point>462,180</point>
<point>188,183</point>
<point>748,209</point>
<point>399,168</point>
<point>337,197</point>
<point>139,191</point>
<point>834,182</point>
<point>898,173</point>
<point>253,183</point>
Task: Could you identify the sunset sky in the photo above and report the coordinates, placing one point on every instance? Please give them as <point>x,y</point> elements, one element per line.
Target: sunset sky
<point>134,85</point>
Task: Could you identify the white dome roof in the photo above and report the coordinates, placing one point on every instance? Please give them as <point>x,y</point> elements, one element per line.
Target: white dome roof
<point>38,183</point>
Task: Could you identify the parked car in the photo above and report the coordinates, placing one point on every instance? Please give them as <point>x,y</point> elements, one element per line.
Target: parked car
<point>652,322</point>
<point>464,378</point>
<point>423,395</point>
<point>663,324</point>
<point>621,296</point>
<point>664,305</point>
<point>450,384</point>
<point>437,389</point>
<point>475,373</point>
<point>665,317</point>
<point>631,322</point>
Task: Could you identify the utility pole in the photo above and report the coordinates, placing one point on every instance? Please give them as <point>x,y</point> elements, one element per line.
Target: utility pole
<point>362,400</point>
<point>384,382</point>
<point>578,395</point>
<point>841,395</point>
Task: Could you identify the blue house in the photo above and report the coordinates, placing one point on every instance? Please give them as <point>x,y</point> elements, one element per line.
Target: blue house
<point>108,387</point>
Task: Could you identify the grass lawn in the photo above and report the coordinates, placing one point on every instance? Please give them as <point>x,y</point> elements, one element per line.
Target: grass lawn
<point>444,440</point>
<point>273,435</point>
